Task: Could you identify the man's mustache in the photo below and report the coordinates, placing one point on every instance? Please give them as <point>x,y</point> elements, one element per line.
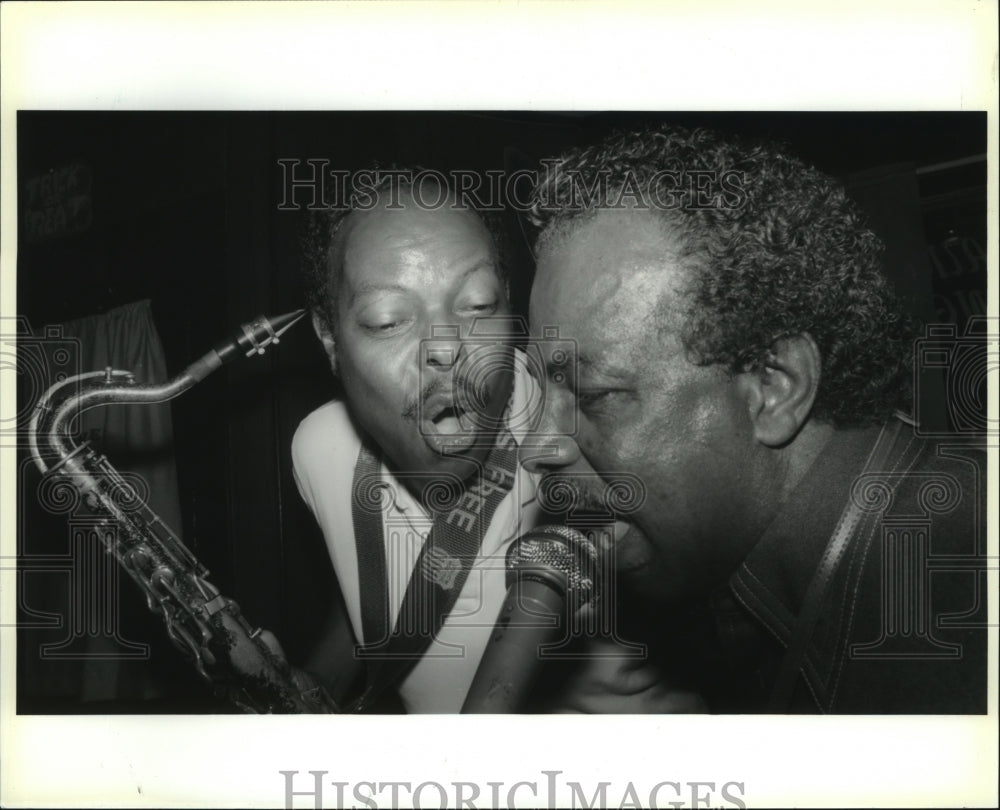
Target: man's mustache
<point>466,391</point>
<point>558,492</point>
<point>616,494</point>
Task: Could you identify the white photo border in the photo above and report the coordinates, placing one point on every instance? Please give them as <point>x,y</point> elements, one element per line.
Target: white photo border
<point>527,56</point>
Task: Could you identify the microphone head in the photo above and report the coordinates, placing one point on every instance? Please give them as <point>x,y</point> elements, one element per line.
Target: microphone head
<point>559,556</point>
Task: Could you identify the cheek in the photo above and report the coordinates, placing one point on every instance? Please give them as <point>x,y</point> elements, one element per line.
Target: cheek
<point>683,443</point>
<point>621,445</point>
<point>378,374</point>
<point>637,449</point>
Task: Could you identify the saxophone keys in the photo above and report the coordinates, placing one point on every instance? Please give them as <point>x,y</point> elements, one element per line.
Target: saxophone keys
<point>214,605</point>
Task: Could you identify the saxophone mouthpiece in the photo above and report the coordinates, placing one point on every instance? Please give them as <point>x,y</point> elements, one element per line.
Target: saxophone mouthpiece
<point>253,338</point>
<point>282,323</point>
<point>264,331</point>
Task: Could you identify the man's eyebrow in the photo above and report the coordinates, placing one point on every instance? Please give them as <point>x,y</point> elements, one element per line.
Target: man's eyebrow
<point>484,264</point>
<point>602,368</point>
<point>591,364</point>
<point>368,287</point>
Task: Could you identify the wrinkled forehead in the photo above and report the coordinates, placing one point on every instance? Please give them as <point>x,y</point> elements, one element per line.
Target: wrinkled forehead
<point>615,276</point>
<point>401,231</point>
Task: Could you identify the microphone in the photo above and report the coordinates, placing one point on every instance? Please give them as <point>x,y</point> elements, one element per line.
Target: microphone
<point>552,571</point>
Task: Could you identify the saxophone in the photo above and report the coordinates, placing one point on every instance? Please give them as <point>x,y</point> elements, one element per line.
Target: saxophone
<point>203,623</point>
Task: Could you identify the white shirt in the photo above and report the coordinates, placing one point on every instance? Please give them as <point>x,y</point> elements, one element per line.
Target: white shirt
<point>324,451</point>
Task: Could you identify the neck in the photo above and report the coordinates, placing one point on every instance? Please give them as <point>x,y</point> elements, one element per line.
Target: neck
<point>773,475</point>
<point>803,452</point>
<point>453,475</point>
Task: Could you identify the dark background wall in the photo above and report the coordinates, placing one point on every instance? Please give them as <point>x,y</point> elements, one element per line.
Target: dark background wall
<point>183,209</point>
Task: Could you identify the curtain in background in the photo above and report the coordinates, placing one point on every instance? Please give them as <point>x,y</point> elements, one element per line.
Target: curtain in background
<point>101,651</point>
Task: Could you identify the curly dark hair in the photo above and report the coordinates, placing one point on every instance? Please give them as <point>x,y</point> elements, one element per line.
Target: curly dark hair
<point>779,250</point>
<point>320,248</point>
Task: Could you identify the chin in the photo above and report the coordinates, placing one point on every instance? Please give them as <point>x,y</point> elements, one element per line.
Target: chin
<point>642,570</point>
<point>461,464</point>
<point>651,585</point>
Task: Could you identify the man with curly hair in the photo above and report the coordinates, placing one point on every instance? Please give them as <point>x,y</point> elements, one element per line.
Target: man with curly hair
<point>739,348</point>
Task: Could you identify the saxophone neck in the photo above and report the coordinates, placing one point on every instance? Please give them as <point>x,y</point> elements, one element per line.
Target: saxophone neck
<point>111,386</point>
<point>253,338</point>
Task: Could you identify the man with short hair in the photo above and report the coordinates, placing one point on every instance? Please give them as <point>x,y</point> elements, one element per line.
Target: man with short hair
<point>414,476</point>
<point>739,349</point>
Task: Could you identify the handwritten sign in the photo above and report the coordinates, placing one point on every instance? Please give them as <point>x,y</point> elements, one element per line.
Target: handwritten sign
<point>58,203</point>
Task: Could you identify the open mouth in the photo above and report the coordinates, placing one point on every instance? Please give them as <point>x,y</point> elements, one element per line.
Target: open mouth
<point>445,426</point>
<point>618,542</point>
<point>629,548</point>
<point>449,421</point>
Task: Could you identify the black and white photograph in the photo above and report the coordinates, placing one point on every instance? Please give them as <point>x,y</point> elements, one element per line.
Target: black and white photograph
<point>664,422</point>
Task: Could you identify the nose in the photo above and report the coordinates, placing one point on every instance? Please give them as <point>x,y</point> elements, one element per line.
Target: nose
<point>551,445</point>
<point>548,453</point>
<point>443,348</point>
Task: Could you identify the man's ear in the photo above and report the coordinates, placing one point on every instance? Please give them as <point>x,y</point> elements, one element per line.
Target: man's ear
<point>780,394</point>
<point>326,338</point>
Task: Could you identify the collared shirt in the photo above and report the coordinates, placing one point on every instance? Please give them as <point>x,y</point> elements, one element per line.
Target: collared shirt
<point>901,629</point>
<point>324,451</point>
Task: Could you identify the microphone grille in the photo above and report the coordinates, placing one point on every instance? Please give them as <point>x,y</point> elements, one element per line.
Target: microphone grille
<point>561,556</point>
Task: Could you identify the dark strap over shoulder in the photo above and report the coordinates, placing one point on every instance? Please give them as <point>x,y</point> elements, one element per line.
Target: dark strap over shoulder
<point>884,455</point>
<point>439,574</point>
<point>366,513</point>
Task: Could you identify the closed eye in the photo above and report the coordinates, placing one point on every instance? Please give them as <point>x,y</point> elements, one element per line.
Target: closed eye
<point>486,308</point>
<point>593,400</point>
<point>384,327</point>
